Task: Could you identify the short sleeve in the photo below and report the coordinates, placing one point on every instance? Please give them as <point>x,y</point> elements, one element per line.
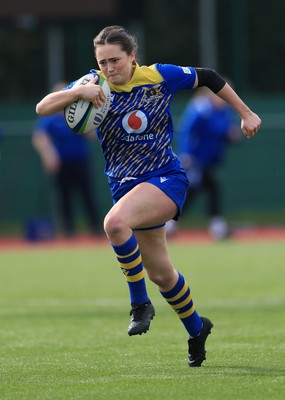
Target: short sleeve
<point>177,78</point>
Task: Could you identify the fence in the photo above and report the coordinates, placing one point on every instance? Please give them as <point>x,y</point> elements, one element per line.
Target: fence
<point>254,177</point>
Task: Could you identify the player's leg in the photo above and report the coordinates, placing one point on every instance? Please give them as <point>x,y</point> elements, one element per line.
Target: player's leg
<point>211,185</point>
<point>170,282</point>
<point>85,188</point>
<point>218,226</point>
<point>64,193</point>
<point>175,289</point>
<point>137,209</point>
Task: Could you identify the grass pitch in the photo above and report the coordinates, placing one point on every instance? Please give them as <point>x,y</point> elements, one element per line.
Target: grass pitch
<point>64,317</point>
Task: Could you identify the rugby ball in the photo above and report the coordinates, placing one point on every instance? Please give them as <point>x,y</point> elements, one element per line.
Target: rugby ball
<point>81,116</point>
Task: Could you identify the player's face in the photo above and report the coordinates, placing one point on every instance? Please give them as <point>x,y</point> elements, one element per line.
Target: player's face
<point>115,63</point>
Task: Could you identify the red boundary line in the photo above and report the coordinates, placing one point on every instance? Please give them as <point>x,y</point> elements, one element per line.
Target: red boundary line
<point>182,236</point>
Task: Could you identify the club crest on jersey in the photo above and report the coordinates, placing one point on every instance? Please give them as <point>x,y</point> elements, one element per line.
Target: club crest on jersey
<point>135,122</point>
<point>152,94</point>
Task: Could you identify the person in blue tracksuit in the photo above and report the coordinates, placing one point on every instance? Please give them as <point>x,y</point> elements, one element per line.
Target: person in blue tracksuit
<point>66,159</point>
<point>146,179</point>
<point>205,129</point>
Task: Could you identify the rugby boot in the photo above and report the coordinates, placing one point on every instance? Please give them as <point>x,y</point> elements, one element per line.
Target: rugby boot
<point>196,345</point>
<point>141,315</point>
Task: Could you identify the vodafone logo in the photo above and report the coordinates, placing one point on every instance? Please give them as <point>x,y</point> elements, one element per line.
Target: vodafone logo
<point>135,122</point>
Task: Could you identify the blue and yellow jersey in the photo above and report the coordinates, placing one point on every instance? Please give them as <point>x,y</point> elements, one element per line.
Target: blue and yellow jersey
<point>137,132</point>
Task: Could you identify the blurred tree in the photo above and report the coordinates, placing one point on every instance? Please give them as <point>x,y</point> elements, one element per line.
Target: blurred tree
<point>171,31</point>
<point>267,50</point>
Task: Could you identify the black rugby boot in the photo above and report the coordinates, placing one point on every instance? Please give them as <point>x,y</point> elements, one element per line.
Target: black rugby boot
<point>141,315</point>
<point>196,345</point>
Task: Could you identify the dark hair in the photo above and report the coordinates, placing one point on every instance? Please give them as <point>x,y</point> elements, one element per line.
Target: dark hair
<point>116,34</point>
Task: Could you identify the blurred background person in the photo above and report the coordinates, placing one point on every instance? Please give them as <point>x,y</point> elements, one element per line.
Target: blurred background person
<point>65,157</point>
<point>1,132</point>
<point>206,127</point>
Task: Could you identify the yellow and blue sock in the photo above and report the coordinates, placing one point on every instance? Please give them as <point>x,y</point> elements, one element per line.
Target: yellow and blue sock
<point>129,257</point>
<point>180,299</point>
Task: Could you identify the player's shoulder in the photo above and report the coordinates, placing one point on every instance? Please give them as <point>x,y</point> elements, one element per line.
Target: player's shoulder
<point>171,70</point>
<point>92,71</point>
<point>178,77</point>
<point>150,73</point>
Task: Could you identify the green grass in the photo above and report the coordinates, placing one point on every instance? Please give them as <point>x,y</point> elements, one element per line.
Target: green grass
<point>64,316</point>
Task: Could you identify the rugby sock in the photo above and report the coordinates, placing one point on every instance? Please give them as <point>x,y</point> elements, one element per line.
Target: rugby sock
<point>181,301</point>
<point>129,257</point>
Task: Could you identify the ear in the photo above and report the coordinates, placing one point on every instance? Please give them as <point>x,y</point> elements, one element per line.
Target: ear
<point>132,56</point>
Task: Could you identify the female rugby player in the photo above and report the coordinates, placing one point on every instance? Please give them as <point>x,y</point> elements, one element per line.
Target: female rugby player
<point>147,182</point>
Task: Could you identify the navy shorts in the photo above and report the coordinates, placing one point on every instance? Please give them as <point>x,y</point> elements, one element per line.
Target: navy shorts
<point>173,184</point>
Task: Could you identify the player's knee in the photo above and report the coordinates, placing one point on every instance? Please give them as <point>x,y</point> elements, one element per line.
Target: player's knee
<point>156,278</point>
<point>161,280</point>
<point>113,224</point>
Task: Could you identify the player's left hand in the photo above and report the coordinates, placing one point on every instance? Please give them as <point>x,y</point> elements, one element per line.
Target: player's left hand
<point>92,92</point>
<point>250,124</point>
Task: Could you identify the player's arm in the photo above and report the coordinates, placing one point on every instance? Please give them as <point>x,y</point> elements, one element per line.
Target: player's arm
<point>57,101</point>
<point>250,122</point>
<point>46,150</point>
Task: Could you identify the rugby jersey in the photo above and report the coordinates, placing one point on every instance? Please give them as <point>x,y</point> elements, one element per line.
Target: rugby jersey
<point>137,132</point>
